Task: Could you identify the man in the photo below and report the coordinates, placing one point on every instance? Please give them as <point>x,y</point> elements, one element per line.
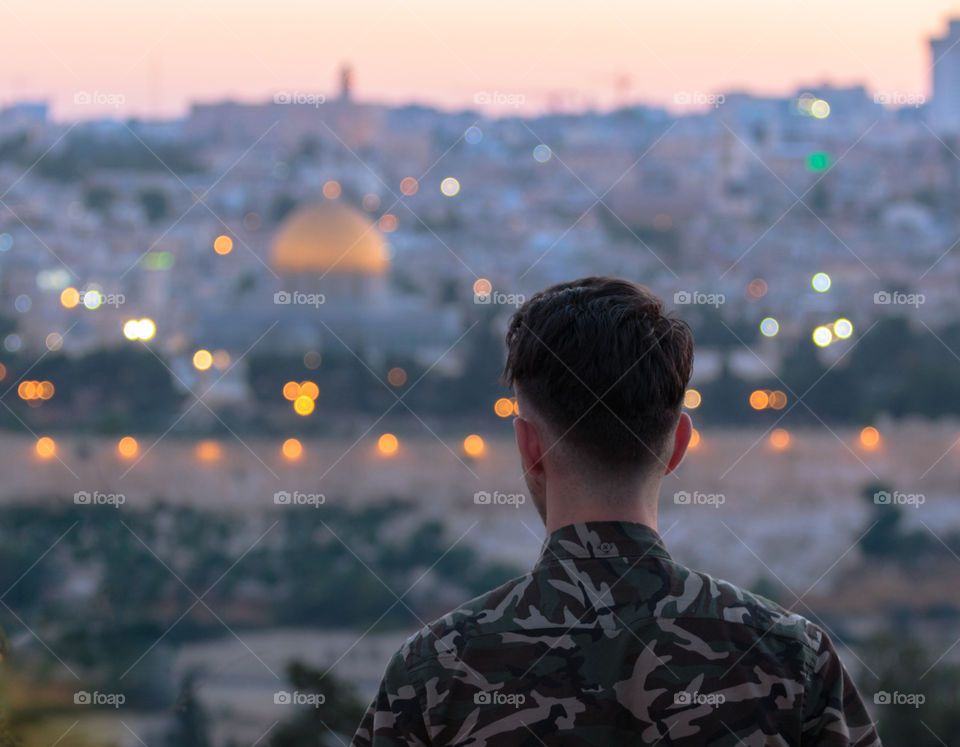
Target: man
<point>608,641</point>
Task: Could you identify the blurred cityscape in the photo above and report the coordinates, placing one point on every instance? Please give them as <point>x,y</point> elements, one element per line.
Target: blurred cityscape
<point>253,433</point>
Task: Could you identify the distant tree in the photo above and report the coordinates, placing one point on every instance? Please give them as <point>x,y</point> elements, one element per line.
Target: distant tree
<point>906,674</point>
<point>99,199</point>
<point>191,723</point>
<point>332,722</point>
<point>155,204</point>
<point>282,205</point>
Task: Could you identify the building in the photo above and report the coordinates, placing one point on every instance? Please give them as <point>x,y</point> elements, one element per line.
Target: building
<point>945,106</point>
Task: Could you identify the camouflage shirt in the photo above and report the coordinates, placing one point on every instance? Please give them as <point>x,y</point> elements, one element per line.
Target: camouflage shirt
<point>607,641</point>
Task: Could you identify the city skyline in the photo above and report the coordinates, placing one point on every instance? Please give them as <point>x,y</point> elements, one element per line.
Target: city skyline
<point>145,62</point>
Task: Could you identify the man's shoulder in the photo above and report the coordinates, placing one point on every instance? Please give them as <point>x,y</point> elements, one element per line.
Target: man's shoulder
<point>684,598</point>
<point>706,597</point>
<point>484,615</point>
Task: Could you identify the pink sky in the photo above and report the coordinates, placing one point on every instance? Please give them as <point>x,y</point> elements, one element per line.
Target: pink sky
<point>159,57</point>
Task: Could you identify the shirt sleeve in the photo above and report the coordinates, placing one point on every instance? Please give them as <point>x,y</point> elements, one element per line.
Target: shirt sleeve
<point>834,713</point>
<point>395,717</point>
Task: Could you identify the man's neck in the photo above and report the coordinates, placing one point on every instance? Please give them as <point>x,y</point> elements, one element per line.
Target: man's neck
<point>572,506</point>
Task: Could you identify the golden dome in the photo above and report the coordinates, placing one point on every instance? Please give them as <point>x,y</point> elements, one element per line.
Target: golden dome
<point>328,237</point>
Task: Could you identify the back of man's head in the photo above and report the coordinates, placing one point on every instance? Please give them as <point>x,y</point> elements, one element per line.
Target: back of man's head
<point>604,367</point>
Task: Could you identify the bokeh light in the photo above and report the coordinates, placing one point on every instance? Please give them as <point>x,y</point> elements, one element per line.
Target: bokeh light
<point>46,447</point>
<point>822,336</point>
<point>309,389</point>
<point>759,399</point>
<point>139,329</point>
<point>223,244</point>
<point>292,449</point>
<point>870,438</point>
<point>291,390</point>
<point>387,223</point>
<point>208,451</point>
<point>692,399</point>
<point>473,445</point>
<point>503,407</point>
<point>409,186</point>
<point>128,447</point>
<point>821,282</point>
<point>332,190</point>
<point>69,297</point>
<point>820,109</point>
<point>388,444</point>
<point>542,153</point>
<point>843,328</point>
<point>397,376</point>
<point>450,186</point>
<point>303,405</point>
<point>769,327</point>
<point>202,360</point>
<point>694,439</point>
<point>482,287</point>
<point>777,400</point>
<point>780,439</point>
<point>757,288</point>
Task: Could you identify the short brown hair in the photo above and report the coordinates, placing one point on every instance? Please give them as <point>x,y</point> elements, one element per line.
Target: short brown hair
<point>603,364</point>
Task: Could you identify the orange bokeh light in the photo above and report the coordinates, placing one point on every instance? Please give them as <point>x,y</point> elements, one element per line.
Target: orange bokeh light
<point>694,439</point>
<point>780,439</point>
<point>870,437</point>
<point>309,389</point>
<point>473,445</point>
<point>46,448</point>
<point>128,447</point>
<point>223,244</point>
<point>209,451</point>
<point>291,390</point>
<point>503,407</point>
<point>759,399</point>
<point>388,223</point>
<point>388,444</point>
<point>69,297</point>
<point>397,376</point>
<point>292,449</point>
<point>409,185</point>
<point>303,405</point>
<point>332,190</point>
<point>482,287</point>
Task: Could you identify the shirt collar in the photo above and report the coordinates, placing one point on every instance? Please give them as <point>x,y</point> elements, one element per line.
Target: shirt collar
<point>603,539</point>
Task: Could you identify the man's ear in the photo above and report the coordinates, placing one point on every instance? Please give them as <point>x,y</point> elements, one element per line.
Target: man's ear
<point>681,439</point>
<point>530,445</point>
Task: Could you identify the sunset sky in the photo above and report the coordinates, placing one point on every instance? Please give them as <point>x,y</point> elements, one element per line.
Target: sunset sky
<point>157,58</point>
